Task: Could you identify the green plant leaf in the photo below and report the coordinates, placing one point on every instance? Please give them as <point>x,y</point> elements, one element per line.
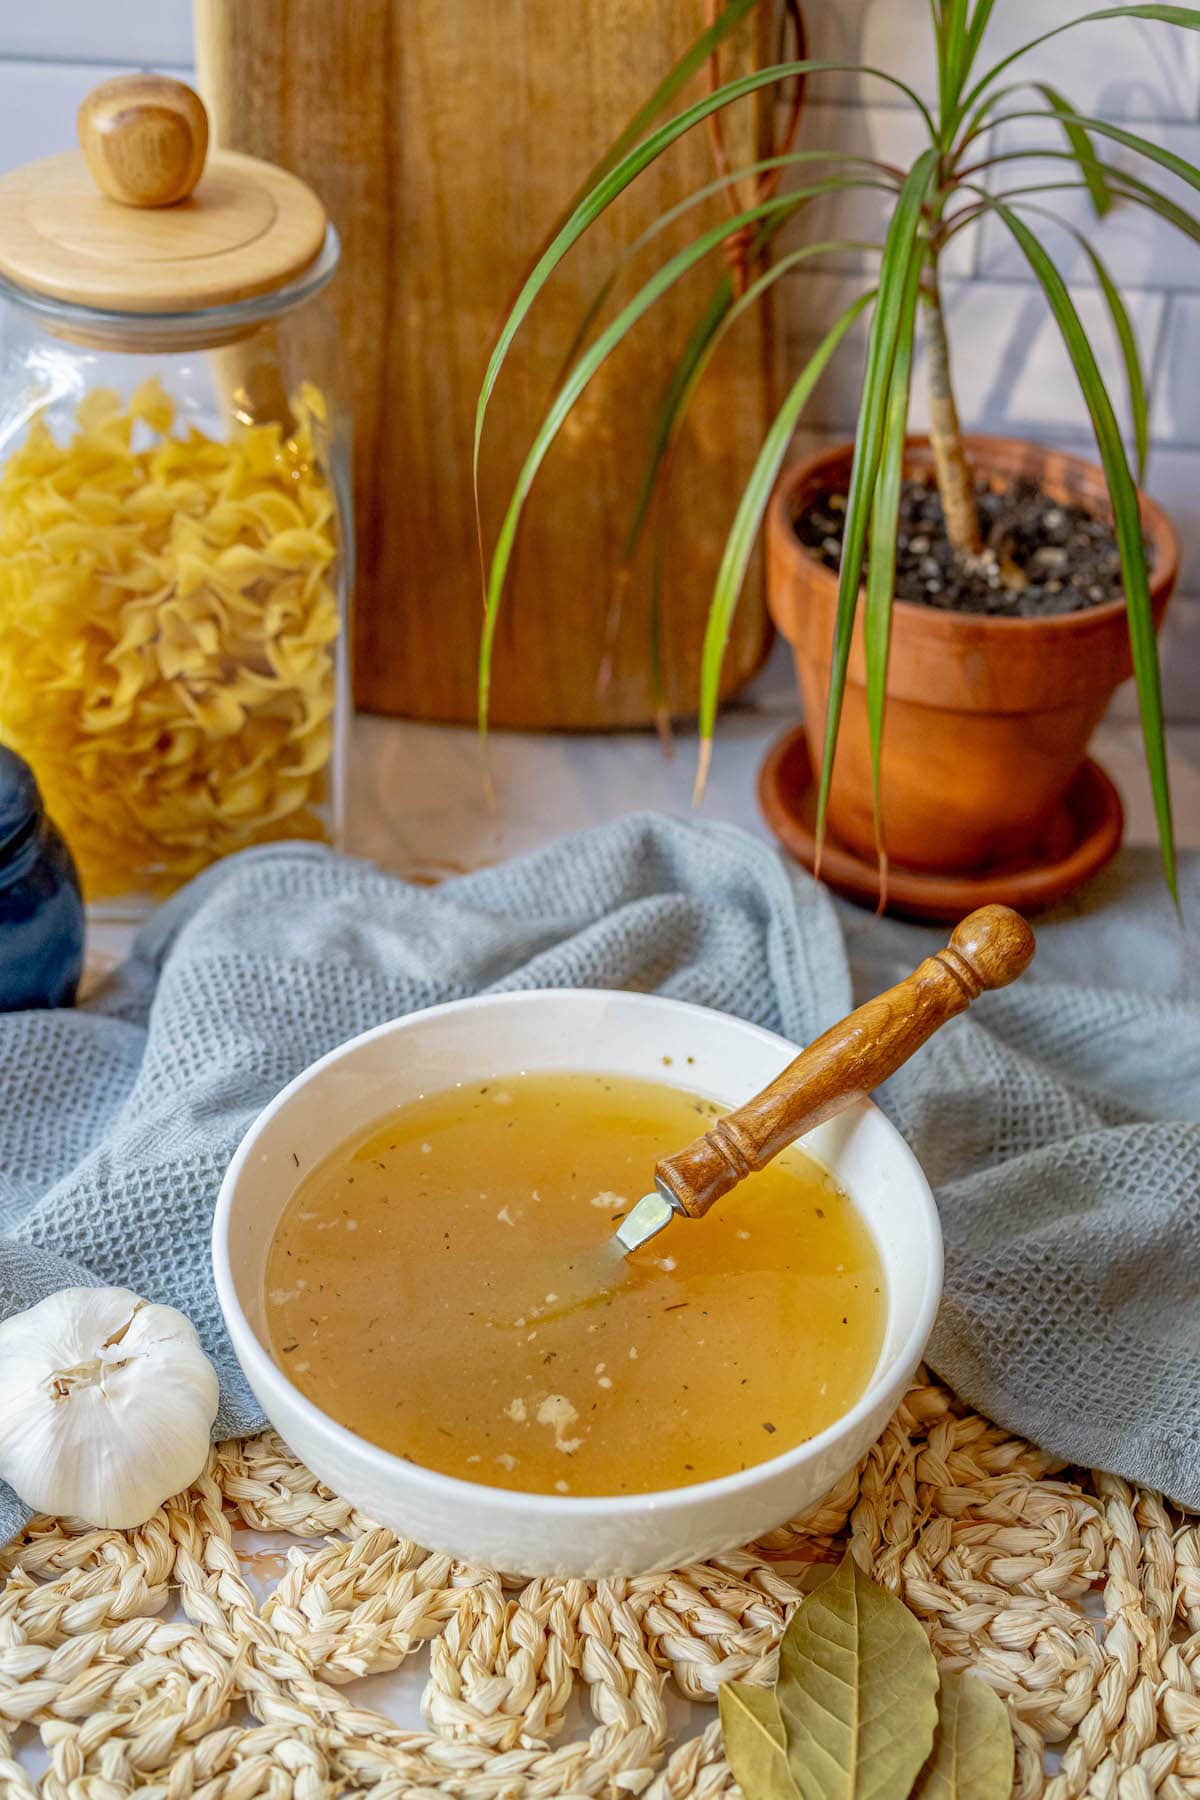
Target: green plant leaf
<point>1127,525</point>
<point>577,380</point>
<point>752,1734</point>
<point>958,38</point>
<point>693,59</point>
<point>881,561</point>
<point>983,119</point>
<point>658,673</point>
<point>959,43</point>
<point>900,248</point>
<point>1166,159</point>
<point>596,304</point>
<point>941,32</point>
<point>721,314</point>
<point>599,299</point>
<point>1139,409</point>
<point>1124,185</point>
<point>951,61</point>
<point>856,1692</point>
<point>979,24</point>
<point>972,1755</point>
<point>744,530</point>
<point>709,322</point>
<point>1135,380</point>
<point>681,382</point>
<point>1186,16</point>
<point>704,45</point>
<point>617,178</point>
<point>1128,187</point>
<point>1082,148</point>
<point>559,409</point>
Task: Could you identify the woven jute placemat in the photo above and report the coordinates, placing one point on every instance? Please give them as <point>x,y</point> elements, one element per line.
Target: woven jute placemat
<point>1075,1596</point>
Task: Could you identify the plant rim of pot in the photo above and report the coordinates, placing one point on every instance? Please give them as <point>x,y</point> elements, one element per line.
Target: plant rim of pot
<point>1157,528</point>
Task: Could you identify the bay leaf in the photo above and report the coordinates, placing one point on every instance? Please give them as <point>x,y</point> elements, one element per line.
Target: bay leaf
<point>752,1732</point>
<point>972,1755</point>
<point>857,1692</point>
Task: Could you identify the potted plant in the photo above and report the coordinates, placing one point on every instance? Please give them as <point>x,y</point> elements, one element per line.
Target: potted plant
<point>988,714</point>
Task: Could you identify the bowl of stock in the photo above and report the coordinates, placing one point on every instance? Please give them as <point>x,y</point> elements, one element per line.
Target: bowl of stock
<point>413,1251</point>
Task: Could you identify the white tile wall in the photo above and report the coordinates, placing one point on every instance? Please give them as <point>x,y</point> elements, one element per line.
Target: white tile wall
<point>149,33</point>
<point>1174,480</point>
<point>1175,417</point>
<point>1138,248</point>
<point>1013,375</point>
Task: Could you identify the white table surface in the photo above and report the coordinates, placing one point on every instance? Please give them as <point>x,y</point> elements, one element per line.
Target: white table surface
<point>417,806</point>
<point>417,803</point>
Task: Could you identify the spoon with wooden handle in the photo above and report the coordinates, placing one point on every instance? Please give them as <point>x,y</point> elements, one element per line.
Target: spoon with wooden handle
<point>990,948</point>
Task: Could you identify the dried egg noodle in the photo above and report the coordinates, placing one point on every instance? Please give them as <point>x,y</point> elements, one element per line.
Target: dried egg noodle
<point>167,631</point>
<point>448,1288</point>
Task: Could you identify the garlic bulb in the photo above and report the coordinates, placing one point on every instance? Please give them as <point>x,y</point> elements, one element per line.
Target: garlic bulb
<point>106,1404</point>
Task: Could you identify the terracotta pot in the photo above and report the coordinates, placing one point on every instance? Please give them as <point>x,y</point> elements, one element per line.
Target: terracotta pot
<point>987,719</point>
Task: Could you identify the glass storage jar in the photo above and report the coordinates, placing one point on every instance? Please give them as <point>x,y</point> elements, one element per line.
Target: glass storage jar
<point>175,525</point>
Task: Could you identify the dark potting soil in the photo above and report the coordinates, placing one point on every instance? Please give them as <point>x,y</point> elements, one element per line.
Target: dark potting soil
<point>1066,556</point>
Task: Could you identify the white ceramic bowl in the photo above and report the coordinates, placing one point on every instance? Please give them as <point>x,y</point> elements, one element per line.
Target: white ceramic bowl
<point>469,1040</point>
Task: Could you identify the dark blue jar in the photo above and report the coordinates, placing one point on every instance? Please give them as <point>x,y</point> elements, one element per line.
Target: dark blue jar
<point>41,908</point>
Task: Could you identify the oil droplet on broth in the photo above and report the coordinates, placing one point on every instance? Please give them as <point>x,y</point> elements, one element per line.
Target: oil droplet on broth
<point>448,1288</point>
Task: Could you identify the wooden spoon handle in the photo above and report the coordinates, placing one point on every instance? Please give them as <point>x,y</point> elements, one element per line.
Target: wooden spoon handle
<point>989,949</point>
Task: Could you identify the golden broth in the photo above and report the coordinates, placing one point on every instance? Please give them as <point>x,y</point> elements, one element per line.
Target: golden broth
<point>448,1288</point>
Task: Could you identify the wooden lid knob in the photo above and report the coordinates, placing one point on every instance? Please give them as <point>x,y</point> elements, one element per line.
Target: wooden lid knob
<point>143,218</point>
<point>145,138</point>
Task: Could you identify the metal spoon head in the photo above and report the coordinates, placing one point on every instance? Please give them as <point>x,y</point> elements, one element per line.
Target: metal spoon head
<point>651,1215</point>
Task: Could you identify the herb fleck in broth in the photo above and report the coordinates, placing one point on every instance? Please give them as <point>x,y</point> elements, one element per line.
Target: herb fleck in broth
<point>448,1289</point>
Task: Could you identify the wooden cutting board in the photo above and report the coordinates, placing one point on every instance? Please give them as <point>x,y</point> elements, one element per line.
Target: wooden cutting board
<point>444,136</point>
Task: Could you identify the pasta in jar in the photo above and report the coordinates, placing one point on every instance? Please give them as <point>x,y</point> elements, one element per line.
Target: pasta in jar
<point>168,634</point>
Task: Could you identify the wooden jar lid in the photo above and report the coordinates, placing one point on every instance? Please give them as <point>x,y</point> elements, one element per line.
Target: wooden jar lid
<point>142,220</point>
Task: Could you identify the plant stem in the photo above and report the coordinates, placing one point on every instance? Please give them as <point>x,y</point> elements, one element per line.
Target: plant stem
<point>954,479</point>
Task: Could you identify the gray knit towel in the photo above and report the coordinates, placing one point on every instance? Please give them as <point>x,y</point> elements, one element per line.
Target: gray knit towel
<point>1059,1121</point>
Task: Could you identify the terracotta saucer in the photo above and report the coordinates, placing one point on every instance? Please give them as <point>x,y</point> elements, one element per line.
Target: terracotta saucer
<point>1080,836</point>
